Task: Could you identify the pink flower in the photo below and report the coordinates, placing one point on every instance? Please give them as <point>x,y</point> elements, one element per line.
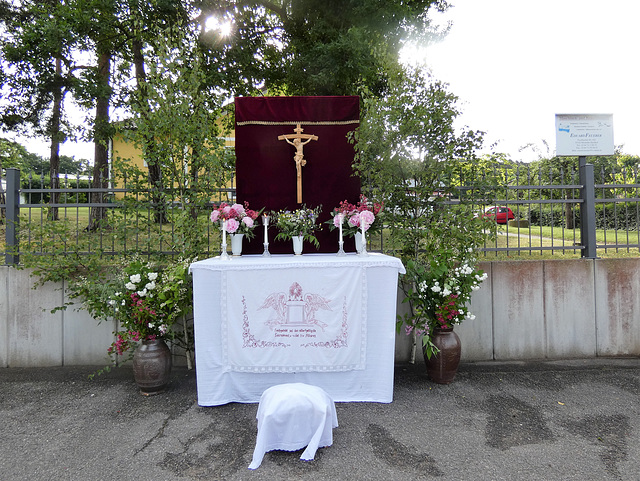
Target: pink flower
<point>366,219</point>
<point>214,216</point>
<point>238,208</point>
<point>226,209</point>
<point>232,226</point>
<point>248,221</point>
<point>337,220</point>
<point>354,220</point>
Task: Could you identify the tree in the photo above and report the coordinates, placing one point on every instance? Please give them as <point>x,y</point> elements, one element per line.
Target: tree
<point>310,47</point>
<point>409,156</point>
<point>181,121</point>
<point>38,47</point>
<point>408,152</point>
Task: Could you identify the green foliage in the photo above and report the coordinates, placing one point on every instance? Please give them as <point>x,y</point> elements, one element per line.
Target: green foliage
<point>310,47</point>
<point>410,156</point>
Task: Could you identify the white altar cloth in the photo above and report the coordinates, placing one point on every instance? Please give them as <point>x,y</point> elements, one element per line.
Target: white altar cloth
<point>221,317</point>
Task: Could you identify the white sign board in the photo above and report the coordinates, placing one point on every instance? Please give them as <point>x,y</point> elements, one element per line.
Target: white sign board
<point>584,134</point>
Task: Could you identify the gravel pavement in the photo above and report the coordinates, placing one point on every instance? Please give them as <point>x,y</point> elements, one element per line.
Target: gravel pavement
<point>561,420</point>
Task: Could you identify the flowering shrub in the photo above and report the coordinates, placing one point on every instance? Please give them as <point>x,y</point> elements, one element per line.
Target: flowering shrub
<point>440,292</point>
<point>240,219</point>
<point>362,214</point>
<point>145,300</point>
<point>300,222</point>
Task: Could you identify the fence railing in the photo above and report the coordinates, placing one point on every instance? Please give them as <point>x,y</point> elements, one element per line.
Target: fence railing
<point>26,219</point>
<point>561,211</point>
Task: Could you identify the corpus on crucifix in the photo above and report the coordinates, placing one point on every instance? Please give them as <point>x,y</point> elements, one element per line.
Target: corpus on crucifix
<point>298,140</point>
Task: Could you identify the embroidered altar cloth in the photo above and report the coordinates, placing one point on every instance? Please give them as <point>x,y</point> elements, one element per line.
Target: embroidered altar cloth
<point>353,298</point>
<point>294,320</point>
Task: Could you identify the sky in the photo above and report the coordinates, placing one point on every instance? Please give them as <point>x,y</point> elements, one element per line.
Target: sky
<point>515,64</point>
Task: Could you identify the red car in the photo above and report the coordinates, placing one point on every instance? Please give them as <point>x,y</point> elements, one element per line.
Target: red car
<point>499,213</point>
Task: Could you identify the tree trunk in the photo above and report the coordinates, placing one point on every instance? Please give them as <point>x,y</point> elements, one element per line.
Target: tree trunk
<point>98,214</point>
<point>568,214</point>
<point>3,200</point>
<point>149,150</point>
<point>54,131</point>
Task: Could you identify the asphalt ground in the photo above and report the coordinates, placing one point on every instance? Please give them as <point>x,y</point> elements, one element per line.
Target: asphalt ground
<point>561,420</point>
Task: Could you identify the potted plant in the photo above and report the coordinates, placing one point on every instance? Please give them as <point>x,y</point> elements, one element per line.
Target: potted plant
<point>237,220</point>
<point>147,301</point>
<point>439,291</point>
<point>298,225</point>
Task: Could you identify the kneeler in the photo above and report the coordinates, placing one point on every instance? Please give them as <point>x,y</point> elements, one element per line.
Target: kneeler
<point>292,416</point>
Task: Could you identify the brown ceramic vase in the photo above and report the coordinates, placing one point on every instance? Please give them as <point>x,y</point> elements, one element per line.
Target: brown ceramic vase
<point>152,366</point>
<point>443,366</point>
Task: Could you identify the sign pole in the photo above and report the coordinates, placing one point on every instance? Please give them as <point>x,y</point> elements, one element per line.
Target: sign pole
<point>587,209</point>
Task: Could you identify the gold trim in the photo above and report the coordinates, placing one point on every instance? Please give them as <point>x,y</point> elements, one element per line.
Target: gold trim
<point>295,122</point>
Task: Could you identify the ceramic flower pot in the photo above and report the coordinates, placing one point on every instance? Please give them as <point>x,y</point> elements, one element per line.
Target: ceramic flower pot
<point>152,366</point>
<point>443,366</point>
<point>297,244</point>
<point>236,244</point>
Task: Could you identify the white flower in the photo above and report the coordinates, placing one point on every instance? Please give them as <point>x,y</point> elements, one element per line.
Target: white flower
<point>469,249</point>
<point>123,302</point>
<point>131,286</point>
<point>135,278</point>
<point>151,325</point>
<point>436,288</point>
<point>150,285</point>
<point>112,302</point>
<point>117,294</point>
<point>142,293</point>
<point>153,276</point>
<point>475,287</point>
<point>446,291</point>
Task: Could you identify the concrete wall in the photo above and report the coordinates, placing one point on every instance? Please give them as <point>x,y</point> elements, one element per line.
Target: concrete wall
<point>524,310</point>
<point>554,309</point>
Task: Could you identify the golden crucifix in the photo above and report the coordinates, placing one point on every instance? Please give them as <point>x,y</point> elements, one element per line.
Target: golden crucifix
<point>298,140</point>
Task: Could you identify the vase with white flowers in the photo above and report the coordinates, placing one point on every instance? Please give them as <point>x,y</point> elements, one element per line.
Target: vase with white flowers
<point>298,225</point>
<point>439,294</point>
<point>146,301</point>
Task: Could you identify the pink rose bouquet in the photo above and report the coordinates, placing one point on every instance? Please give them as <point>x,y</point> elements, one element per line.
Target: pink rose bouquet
<point>355,217</point>
<point>240,219</point>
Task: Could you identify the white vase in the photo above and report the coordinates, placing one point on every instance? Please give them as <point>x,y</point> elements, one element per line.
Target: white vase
<point>297,244</point>
<point>236,244</point>
<point>358,237</point>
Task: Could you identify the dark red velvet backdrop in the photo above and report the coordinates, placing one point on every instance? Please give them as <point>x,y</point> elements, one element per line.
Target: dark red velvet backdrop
<point>266,171</point>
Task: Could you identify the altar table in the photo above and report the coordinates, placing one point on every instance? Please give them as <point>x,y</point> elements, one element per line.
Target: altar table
<point>318,319</point>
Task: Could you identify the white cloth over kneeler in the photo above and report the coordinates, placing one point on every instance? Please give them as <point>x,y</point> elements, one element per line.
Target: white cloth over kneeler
<point>292,416</point>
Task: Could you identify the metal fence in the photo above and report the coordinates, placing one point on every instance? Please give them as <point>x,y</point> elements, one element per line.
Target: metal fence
<point>558,211</point>
<point>27,227</point>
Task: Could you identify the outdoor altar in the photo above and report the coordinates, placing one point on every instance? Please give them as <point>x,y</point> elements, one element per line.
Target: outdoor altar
<point>318,319</point>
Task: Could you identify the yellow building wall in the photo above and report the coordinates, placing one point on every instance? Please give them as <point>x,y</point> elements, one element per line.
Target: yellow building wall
<point>120,148</point>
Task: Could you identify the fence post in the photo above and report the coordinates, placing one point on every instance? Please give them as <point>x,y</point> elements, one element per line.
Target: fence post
<point>587,209</point>
<point>12,256</point>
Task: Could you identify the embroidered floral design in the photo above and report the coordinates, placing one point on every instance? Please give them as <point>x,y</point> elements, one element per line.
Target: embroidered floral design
<point>249,339</point>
